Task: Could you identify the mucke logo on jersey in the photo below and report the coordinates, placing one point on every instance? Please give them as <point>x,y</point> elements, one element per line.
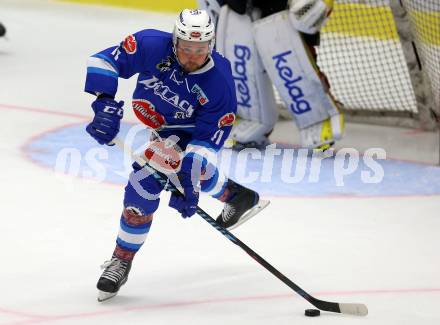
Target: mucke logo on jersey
<point>299,103</point>
<point>146,113</point>
<point>201,97</point>
<point>167,95</point>
<point>165,64</point>
<point>129,44</point>
<point>226,120</point>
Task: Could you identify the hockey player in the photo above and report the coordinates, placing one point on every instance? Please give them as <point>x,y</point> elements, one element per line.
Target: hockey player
<point>269,45</point>
<point>183,89</point>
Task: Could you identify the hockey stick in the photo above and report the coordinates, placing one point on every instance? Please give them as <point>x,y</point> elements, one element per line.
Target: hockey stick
<point>344,308</point>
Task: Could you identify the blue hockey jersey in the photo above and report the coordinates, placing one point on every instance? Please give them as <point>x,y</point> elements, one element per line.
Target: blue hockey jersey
<point>205,98</point>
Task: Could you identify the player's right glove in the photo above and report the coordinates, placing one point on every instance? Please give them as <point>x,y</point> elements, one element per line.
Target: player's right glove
<point>105,124</point>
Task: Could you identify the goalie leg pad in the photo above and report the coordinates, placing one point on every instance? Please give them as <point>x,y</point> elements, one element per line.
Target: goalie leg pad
<point>249,133</point>
<point>322,135</point>
<point>255,98</point>
<point>212,7</point>
<point>292,70</point>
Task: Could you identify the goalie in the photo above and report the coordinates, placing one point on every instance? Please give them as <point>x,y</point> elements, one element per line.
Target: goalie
<point>272,43</point>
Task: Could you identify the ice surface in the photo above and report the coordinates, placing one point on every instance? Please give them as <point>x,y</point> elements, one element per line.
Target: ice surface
<point>57,230</point>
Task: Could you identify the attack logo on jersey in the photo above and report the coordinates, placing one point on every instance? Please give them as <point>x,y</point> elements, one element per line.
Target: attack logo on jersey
<point>226,120</point>
<point>166,94</point>
<point>165,64</point>
<point>201,97</point>
<point>130,44</point>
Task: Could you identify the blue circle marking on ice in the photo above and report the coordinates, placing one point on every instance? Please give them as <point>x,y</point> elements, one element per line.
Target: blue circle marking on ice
<point>72,150</point>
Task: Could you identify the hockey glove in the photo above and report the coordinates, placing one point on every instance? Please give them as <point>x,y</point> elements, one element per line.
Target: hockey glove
<point>308,16</point>
<point>186,204</point>
<point>146,114</point>
<point>105,124</point>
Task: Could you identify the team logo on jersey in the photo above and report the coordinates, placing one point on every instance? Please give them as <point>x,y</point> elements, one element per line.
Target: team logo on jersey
<point>201,97</point>
<point>226,120</point>
<point>195,12</point>
<point>129,44</point>
<point>179,115</point>
<point>165,64</point>
<point>167,95</point>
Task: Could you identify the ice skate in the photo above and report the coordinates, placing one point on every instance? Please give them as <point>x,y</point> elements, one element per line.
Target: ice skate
<point>114,276</point>
<point>243,204</point>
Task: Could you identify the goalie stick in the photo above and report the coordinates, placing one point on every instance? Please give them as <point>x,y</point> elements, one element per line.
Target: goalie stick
<point>344,308</point>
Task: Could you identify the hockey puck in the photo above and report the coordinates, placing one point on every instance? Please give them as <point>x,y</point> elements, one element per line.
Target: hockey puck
<point>2,30</point>
<point>312,312</point>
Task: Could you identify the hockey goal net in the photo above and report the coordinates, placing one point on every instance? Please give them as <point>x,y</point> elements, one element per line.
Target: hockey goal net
<point>382,58</point>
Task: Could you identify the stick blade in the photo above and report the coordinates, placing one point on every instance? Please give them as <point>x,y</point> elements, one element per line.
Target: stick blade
<point>353,309</point>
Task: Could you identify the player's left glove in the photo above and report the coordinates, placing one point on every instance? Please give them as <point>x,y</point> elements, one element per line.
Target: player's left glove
<point>187,204</point>
<point>105,124</point>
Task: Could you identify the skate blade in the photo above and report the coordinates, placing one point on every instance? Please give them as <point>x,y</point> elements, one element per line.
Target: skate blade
<point>103,296</point>
<point>252,212</point>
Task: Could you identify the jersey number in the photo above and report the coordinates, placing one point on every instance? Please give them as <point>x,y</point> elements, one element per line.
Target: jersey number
<point>217,137</point>
<point>116,52</point>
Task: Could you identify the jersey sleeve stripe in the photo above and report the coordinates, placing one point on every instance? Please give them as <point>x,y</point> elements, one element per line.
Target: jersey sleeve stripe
<point>201,144</point>
<point>106,60</point>
<point>219,188</point>
<point>94,62</point>
<point>201,152</point>
<point>102,72</point>
<point>215,185</point>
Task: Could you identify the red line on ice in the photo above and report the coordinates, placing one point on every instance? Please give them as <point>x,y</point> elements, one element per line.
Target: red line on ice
<point>42,319</point>
<point>43,111</point>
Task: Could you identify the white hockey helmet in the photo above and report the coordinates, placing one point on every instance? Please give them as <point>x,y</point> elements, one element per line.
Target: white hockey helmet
<point>194,25</point>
